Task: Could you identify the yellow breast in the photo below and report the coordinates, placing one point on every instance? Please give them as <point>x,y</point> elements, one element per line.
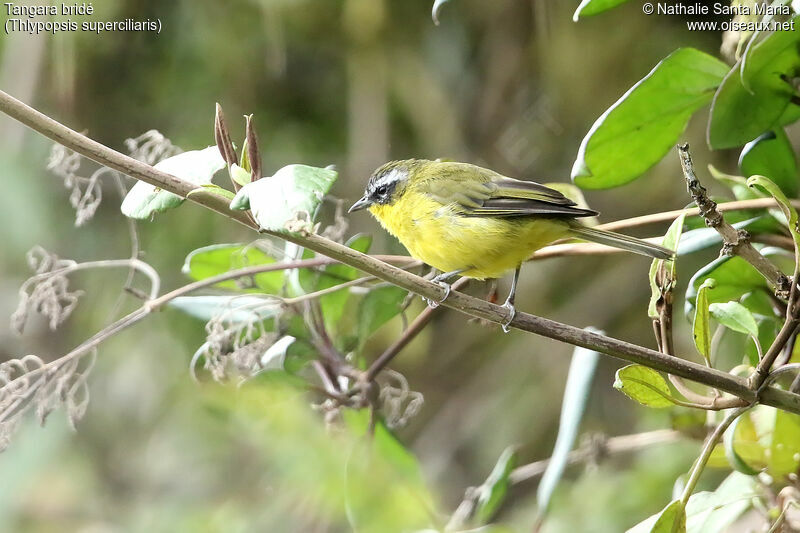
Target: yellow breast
<point>485,247</point>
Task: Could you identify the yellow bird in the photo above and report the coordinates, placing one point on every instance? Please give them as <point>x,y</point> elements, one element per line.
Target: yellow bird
<point>465,220</point>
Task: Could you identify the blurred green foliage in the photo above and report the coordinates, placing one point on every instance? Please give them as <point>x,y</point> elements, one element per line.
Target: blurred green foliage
<point>355,83</point>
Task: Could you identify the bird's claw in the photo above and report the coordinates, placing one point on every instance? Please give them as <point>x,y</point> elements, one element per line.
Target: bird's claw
<point>434,304</point>
<point>512,312</point>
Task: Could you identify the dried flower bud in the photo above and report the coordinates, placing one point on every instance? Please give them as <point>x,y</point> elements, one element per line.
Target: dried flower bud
<point>253,153</point>
<point>222,137</point>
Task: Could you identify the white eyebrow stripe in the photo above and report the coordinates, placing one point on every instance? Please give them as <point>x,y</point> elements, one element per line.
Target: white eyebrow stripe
<point>392,176</point>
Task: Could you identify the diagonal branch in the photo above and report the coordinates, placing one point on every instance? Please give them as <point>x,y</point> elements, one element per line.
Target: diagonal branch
<point>408,335</point>
<point>459,301</point>
<point>737,242</point>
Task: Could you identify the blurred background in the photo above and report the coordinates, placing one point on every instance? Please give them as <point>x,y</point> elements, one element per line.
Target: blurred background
<point>511,84</point>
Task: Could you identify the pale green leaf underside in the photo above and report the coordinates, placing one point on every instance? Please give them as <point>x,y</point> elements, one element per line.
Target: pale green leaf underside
<point>735,316</point>
<point>288,200</point>
<point>196,166</point>
<point>644,385</point>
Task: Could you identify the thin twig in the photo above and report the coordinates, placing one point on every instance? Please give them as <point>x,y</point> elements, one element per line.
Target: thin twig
<point>788,330</point>
<point>408,335</point>
<point>771,239</point>
<point>663,331</point>
<point>663,325</point>
<point>775,374</point>
<point>708,447</point>
<point>669,216</point>
<point>776,526</point>
<point>736,242</point>
<point>463,303</point>
<point>133,264</point>
<point>134,237</point>
<point>586,248</point>
<point>324,292</point>
<point>254,270</point>
<point>331,358</point>
<point>604,448</point>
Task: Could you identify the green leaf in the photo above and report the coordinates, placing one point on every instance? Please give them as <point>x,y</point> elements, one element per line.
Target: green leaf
<point>288,200</point>
<point>378,307</point>
<point>234,309</point>
<point>701,330</point>
<point>737,185</point>
<point>360,242</point>
<point>748,444</point>
<point>385,443</point>
<point>239,174</point>
<point>275,355</point>
<point>753,98</point>
<point>768,327</point>
<point>217,259</point>
<point>786,207</point>
<point>644,385</point>
<point>298,355</point>
<point>346,474</point>
<point>196,166</point>
<point>711,512</point>
<point>665,270</point>
<point>673,237</point>
<point>492,492</point>
<point>734,277</point>
<point>771,155</point>
<point>735,316</point>
<point>334,305</point>
<point>381,455</point>
<point>589,8</point>
<point>643,125</point>
<point>491,528</point>
<point>729,442</point>
<point>576,396</point>
<point>702,238</point>
<point>784,451</point>
<point>790,116</point>
<point>216,189</point>
<point>761,304</point>
<point>715,512</point>
<point>671,519</point>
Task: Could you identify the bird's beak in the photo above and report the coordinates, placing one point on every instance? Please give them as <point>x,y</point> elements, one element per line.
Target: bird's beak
<point>363,203</point>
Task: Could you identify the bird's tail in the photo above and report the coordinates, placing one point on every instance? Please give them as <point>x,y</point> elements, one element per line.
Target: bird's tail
<point>623,242</point>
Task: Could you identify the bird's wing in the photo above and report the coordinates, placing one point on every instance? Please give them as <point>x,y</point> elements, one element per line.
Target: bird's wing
<point>504,197</point>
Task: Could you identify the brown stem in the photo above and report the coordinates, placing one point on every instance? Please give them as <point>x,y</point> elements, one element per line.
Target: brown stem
<point>705,454</point>
<point>669,216</point>
<point>736,242</point>
<point>464,303</point>
<point>408,335</point>
<point>665,342</point>
<point>771,239</point>
<point>788,330</point>
<point>604,448</point>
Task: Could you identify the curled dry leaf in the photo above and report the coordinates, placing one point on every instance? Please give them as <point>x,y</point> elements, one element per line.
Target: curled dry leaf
<point>47,291</point>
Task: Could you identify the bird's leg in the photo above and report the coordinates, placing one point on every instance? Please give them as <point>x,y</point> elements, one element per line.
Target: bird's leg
<point>510,301</point>
<point>441,280</point>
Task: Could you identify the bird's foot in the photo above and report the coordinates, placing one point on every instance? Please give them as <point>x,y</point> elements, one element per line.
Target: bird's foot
<point>512,312</point>
<point>433,304</point>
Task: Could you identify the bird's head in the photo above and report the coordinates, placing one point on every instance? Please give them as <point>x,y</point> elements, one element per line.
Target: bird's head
<point>388,183</point>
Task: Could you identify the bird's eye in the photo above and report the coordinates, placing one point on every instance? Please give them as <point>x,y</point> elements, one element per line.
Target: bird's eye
<point>381,190</point>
